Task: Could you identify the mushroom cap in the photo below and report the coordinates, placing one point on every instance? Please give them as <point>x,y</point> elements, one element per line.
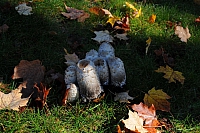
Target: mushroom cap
<point>88,79</point>
<point>70,75</point>
<point>117,71</point>
<point>102,70</point>
<point>73,93</point>
<point>106,50</point>
<point>91,55</point>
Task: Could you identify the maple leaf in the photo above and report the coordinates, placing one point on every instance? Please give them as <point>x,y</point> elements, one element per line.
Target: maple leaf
<point>197,2</point>
<point>12,100</point>
<point>148,114</point>
<point>73,13</point>
<point>148,44</point>
<point>32,72</point>
<point>112,20</point>
<point>171,75</point>
<point>123,97</point>
<point>134,122</point>
<point>23,9</point>
<point>197,20</point>
<point>100,11</point>
<point>123,24</point>
<point>121,36</point>
<point>72,59</point>
<point>158,98</point>
<point>41,93</point>
<point>152,18</point>
<point>3,28</point>
<point>163,57</point>
<point>103,36</point>
<point>182,33</point>
<point>137,13</point>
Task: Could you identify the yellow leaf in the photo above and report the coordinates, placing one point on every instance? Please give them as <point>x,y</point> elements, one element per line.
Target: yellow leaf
<point>131,6</point>
<point>138,14</point>
<point>148,44</point>
<point>171,75</point>
<point>158,99</point>
<point>112,20</point>
<point>152,18</point>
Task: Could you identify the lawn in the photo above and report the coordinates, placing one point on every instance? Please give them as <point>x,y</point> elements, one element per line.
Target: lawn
<point>44,34</point>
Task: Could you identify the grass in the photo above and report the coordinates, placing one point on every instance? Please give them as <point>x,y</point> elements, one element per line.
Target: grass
<point>28,38</point>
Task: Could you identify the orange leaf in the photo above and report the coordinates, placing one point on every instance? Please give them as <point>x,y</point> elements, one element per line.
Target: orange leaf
<point>152,18</point>
<point>148,114</point>
<point>158,98</point>
<point>197,20</point>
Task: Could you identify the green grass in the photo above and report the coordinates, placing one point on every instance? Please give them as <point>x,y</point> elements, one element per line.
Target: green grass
<point>28,38</point>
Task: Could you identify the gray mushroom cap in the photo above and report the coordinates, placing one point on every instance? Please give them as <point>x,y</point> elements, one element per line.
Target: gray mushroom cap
<point>70,75</point>
<point>106,50</point>
<point>117,71</point>
<point>91,55</point>
<point>102,70</point>
<point>88,79</point>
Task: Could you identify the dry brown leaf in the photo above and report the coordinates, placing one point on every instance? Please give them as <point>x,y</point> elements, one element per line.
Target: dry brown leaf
<point>32,72</point>
<point>12,100</point>
<point>171,75</point>
<point>103,36</point>
<point>134,122</point>
<point>182,33</point>
<point>121,36</point>
<point>148,114</point>
<point>73,13</point>
<point>100,11</point>
<point>197,20</point>
<point>123,97</point>
<point>158,98</point>
<point>3,28</point>
<point>41,93</point>
<point>72,59</point>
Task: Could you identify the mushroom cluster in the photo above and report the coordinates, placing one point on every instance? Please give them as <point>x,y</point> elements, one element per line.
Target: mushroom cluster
<point>88,76</point>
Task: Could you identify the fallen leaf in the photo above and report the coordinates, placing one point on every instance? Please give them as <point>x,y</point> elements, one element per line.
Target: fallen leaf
<point>171,75</point>
<point>164,58</point>
<point>123,24</point>
<point>197,2</point>
<point>131,6</point>
<point>100,11</point>
<point>12,100</point>
<point>123,97</point>
<point>158,98</point>
<point>23,9</point>
<point>197,20</point>
<point>134,122</point>
<point>103,36</point>
<point>32,72</point>
<point>112,20</point>
<point>138,13</point>
<point>121,36</point>
<point>148,42</point>
<point>3,28</point>
<point>72,59</point>
<point>73,13</point>
<point>182,33</point>
<point>152,18</point>
<point>41,93</point>
<point>148,114</point>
